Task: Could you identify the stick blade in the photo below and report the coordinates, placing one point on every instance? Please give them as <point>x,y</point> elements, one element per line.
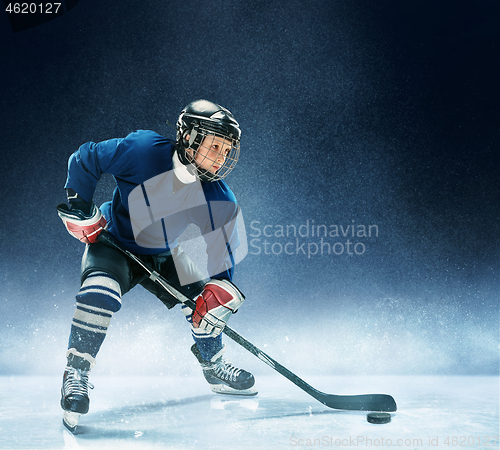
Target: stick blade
<point>365,402</point>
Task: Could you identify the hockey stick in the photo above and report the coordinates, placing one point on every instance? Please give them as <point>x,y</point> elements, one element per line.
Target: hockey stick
<point>364,402</point>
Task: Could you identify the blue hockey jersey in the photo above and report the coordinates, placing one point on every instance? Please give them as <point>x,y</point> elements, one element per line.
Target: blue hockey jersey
<point>136,160</point>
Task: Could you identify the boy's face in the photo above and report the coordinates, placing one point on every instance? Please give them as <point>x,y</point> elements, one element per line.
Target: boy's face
<point>212,153</point>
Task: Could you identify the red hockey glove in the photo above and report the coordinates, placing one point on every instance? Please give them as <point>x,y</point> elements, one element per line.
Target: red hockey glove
<point>85,227</point>
<point>214,306</point>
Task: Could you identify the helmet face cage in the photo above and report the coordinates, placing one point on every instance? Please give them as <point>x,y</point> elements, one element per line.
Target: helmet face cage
<point>213,164</point>
<point>211,144</point>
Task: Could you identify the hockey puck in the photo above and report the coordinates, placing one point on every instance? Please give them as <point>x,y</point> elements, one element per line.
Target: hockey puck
<point>378,417</point>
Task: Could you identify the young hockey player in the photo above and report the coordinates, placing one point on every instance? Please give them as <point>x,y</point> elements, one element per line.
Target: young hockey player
<point>161,188</point>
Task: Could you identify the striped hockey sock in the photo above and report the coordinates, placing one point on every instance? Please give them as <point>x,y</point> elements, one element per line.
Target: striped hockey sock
<point>98,298</point>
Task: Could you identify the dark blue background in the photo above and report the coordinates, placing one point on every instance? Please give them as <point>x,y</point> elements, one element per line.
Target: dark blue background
<point>379,113</point>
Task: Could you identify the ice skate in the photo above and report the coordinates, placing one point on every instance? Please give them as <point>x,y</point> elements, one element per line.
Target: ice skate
<point>74,392</point>
<point>223,377</point>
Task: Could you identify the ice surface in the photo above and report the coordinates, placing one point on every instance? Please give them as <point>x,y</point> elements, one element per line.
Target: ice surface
<point>182,413</point>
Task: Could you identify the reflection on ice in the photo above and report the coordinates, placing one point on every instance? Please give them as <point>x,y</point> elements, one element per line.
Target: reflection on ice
<point>231,403</point>
<point>181,413</point>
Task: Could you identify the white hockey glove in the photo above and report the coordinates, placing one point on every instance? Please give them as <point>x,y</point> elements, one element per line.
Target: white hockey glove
<point>214,306</point>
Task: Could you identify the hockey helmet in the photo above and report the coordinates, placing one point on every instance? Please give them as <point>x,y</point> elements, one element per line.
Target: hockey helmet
<point>204,122</point>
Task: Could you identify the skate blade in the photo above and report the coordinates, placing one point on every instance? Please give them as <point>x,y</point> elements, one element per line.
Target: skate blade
<point>224,389</point>
<point>70,420</point>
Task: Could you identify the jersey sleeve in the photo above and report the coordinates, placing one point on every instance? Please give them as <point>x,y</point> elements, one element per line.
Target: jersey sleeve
<point>129,159</point>
<point>221,243</point>
<point>221,233</point>
<point>88,163</point>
